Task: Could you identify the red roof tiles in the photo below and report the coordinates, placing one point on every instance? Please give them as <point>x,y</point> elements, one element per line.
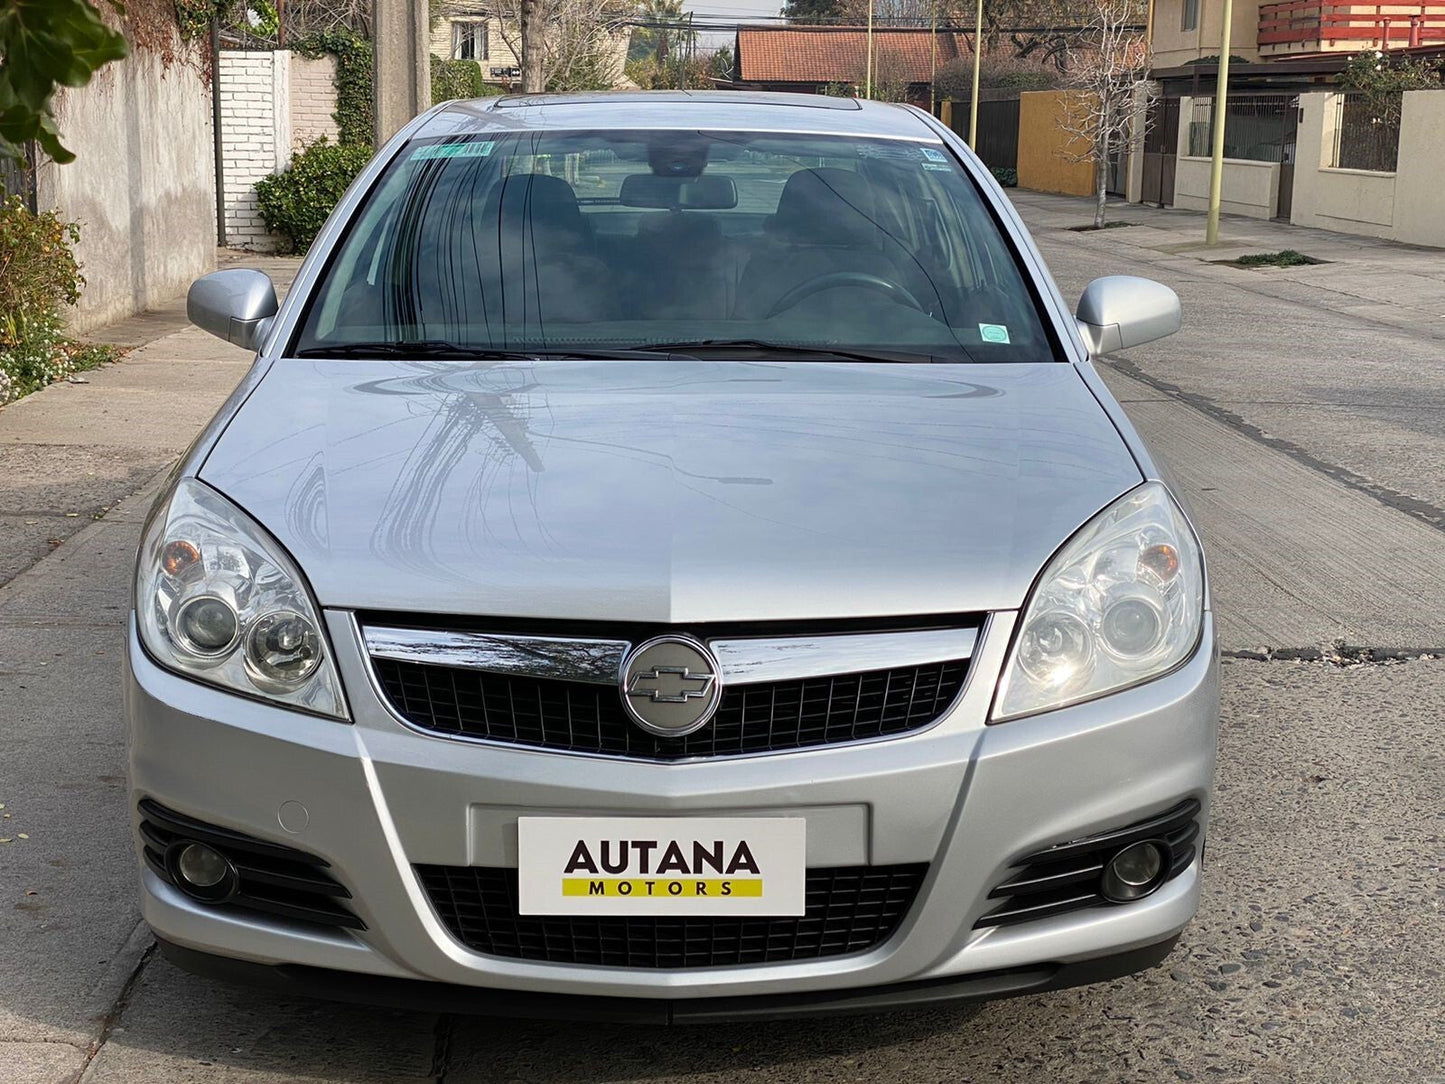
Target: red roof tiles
<point>838,54</point>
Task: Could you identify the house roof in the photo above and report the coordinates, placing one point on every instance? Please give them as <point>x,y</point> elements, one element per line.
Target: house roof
<point>834,54</point>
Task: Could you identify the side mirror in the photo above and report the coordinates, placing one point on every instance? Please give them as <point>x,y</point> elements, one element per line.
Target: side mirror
<point>236,305</point>
<point>1119,311</point>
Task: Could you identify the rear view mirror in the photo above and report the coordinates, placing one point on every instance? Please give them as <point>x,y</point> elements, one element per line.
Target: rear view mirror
<point>1120,311</point>
<point>236,305</point>
<point>706,193</point>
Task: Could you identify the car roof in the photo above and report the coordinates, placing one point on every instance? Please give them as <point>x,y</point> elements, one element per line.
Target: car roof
<point>704,109</point>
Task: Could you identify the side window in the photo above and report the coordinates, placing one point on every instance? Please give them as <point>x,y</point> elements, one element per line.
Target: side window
<point>1190,18</point>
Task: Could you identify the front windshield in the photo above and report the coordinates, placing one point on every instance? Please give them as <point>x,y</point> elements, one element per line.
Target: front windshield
<point>595,241</point>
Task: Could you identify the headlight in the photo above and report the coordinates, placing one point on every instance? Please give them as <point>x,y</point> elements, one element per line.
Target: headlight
<point>217,600</point>
<point>1121,603</point>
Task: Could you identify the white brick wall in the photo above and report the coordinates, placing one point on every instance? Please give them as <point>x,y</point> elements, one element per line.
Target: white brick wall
<point>313,100</point>
<point>255,138</point>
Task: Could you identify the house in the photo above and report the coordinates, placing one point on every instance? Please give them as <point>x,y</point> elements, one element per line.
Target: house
<point>474,30</point>
<point>1295,147</point>
<point>815,59</point>
<point>1187,30</point>
<point>466,30</point>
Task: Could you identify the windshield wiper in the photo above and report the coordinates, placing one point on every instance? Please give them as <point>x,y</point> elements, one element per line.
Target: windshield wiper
<point>433,349</point>
<point>411,348</point>
<point>762,346</point>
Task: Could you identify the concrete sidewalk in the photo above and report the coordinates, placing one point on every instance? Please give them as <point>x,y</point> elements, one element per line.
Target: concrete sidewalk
<point>1365,277</point>
<point>70,452</point>
<point>79,465</point>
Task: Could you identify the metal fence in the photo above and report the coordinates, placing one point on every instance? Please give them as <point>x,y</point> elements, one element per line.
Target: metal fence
<point>1363,138</point>
<point>286,23</point>
<point>1258,128</point>
<point>998,128</point>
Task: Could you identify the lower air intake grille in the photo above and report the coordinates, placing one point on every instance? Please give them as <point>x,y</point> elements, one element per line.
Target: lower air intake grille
<point>1067,877</point>
<point>583,718</point>
<point>272,879</point>
<point>849,909</point>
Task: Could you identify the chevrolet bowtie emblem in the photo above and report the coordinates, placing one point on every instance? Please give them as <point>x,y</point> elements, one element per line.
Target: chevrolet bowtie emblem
<point>670,685</point>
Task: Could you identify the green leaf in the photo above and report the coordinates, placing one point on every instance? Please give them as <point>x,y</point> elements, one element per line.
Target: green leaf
<point>46,44</point>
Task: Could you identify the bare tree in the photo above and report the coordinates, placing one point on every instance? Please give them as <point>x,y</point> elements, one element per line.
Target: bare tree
<point>1106,108</point>
<point>532,48</point>
<point>566,44</point>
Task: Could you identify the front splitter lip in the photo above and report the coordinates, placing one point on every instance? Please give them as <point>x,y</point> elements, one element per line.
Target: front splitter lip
<point>1156,741</point>
<point>292,979</point>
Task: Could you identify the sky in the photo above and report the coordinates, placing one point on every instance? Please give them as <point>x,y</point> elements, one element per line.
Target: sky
<point>728,11</point>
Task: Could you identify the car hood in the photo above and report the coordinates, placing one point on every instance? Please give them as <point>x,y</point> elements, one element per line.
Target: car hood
<point>670,491</point>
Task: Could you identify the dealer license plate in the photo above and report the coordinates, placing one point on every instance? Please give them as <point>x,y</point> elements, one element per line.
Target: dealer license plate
<point>661,865</point>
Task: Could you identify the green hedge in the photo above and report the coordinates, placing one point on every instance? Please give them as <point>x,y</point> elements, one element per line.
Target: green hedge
<point>295,203</point>
<point>456,79</point>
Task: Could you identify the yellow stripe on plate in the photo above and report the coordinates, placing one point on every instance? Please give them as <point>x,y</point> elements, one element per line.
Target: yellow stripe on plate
<point>662,887</point>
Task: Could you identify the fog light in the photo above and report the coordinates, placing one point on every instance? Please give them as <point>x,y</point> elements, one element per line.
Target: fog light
<point>1135,871</point>
<point>201,872</point>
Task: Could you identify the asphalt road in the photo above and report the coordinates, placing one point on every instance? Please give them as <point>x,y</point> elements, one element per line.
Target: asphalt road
<point>1317,954</point>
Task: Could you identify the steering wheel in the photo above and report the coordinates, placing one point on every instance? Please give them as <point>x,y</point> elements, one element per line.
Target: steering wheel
<point>832,280</point>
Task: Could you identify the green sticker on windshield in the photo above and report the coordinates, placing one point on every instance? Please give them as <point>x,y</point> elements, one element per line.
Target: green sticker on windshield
<point>993,333</point>
<point>471,149</point>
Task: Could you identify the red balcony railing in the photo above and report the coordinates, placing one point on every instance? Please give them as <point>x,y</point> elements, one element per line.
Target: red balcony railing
<point>1307,26</point>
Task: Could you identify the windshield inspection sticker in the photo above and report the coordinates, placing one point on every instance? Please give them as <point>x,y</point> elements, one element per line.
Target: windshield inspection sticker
<point>933,155</point>
<point>661,865</point>
<point>993,333</point>
<point>470,149</point>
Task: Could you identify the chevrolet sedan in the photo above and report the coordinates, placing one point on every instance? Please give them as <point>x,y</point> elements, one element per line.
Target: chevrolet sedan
<point>672,558</point>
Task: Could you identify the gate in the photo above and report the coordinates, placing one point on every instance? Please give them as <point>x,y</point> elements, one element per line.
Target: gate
<point>998,127</point>
<point>1161,148</point>
<point>998,133</point>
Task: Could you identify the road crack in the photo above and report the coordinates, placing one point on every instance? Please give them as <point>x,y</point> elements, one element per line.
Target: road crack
<point>1338,654</point>
<point>112,1015</point>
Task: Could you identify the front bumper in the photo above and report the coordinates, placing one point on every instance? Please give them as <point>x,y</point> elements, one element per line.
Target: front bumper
<point>969,800</point>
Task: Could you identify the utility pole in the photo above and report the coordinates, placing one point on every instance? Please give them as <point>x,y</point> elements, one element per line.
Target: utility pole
<point>977,59</point>
<point>933,56</point>
<point>868,78</point>
<point>1221,98</point>
<point>402,64</point>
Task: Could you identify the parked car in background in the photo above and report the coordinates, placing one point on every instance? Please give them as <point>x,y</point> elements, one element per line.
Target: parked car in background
<point>672,558</point>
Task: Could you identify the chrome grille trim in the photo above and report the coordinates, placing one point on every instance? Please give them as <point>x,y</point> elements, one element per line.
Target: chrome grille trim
<point>595,662</point>
<point>743,661</point>
<point>747,661</point>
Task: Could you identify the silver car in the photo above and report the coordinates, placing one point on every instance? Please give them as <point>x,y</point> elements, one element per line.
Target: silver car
<point>672,558</point>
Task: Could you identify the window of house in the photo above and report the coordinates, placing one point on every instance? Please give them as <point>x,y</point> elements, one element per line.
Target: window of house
<point>1190,21</point>
<point>469,41</point>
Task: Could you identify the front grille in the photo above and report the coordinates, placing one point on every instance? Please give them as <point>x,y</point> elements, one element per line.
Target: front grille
<point>272,879</point>
<point>587,718</point>
<point>1067,877</point>
<point>848,909</point>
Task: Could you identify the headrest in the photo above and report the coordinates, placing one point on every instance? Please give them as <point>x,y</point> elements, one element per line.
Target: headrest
<point>548,204</point>
<point>826,207</point>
